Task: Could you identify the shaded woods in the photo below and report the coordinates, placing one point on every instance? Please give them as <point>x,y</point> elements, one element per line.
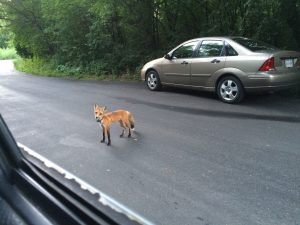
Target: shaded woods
<point>116,37</point>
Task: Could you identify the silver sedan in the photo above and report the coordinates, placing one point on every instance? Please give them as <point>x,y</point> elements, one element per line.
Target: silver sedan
<point>229,66</point>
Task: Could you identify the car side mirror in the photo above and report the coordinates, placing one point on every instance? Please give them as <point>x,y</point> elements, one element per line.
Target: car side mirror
<point>168,56</point>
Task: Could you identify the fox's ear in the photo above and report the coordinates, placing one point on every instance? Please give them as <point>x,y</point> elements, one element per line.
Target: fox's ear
<point>104,108</point>
<point>95,106</point>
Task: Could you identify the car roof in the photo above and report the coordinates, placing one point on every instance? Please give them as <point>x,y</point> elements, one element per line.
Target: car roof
<point>217,37</point>
<point>230,39</point>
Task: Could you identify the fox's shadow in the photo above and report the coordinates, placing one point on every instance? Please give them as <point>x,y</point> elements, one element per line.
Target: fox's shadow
<point>136,135</point>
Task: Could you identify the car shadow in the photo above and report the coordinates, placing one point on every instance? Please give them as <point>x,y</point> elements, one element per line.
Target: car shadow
<point>262,99</point>
<point>273,102</point>
<point>196,93</point>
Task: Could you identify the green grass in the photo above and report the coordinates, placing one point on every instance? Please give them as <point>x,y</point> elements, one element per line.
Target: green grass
<point>50,69</point>
<point>8,53</point>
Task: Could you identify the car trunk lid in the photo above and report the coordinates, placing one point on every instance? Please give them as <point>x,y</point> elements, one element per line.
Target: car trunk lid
<point>286,60</point>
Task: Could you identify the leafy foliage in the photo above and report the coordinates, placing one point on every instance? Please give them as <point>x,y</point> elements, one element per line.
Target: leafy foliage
<point>8,53</point>
<point>116,37</point>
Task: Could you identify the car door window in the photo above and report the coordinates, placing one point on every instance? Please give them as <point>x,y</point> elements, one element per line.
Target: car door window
<point>185,51</point>
<point>210,49</point>
<point>229,50</point>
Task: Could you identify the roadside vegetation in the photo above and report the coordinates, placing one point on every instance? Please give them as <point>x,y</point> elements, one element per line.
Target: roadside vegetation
<point>8,53</point>
<point>7,49</point>
<point>37,66</point>
<point>113,39</point>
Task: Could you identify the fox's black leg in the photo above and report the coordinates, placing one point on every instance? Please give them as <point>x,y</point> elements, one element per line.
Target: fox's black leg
<point>129,134</point>
<point>122,125</point>
<point>103,135</point>
<point>122,135</point>
<point>108,136</point>
<point>127,124</point>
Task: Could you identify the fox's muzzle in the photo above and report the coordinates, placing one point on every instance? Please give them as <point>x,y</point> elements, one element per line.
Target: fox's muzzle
<point>98,119</point>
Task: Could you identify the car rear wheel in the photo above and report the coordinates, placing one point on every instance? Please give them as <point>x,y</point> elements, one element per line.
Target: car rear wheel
<point>153,81</point>
<point>230,90</point>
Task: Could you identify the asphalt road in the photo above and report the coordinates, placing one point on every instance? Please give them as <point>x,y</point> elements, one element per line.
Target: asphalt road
<point>193,160</point>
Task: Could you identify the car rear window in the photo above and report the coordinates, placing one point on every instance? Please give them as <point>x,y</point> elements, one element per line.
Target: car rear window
<point>254,45</point>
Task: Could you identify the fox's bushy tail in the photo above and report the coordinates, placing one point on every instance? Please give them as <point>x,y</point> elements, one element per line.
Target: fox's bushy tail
<point>131,120</point>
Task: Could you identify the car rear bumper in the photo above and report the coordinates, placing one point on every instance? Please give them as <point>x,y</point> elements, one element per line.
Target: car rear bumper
<point>271,81</point>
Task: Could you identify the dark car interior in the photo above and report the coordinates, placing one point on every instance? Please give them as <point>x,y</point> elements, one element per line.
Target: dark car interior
<point>34,195</point>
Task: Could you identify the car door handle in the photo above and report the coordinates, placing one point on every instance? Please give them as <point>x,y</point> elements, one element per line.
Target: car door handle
<point>215,61</point>
<point>184,63</point>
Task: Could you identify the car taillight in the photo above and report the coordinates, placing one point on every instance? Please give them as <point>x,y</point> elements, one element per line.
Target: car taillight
<point>268,65</point>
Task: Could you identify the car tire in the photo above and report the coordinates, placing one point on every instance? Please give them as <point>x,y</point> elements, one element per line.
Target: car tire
<point>153,81</point>
<point>230,90</point>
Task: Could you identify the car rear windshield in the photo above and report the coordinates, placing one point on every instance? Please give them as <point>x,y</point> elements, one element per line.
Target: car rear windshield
<point>254,45</point>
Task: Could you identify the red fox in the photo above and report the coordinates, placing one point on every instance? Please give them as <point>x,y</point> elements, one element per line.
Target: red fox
<point>105,118</point>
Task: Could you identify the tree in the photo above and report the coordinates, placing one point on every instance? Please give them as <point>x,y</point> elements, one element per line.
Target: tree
<point>104,36</point>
